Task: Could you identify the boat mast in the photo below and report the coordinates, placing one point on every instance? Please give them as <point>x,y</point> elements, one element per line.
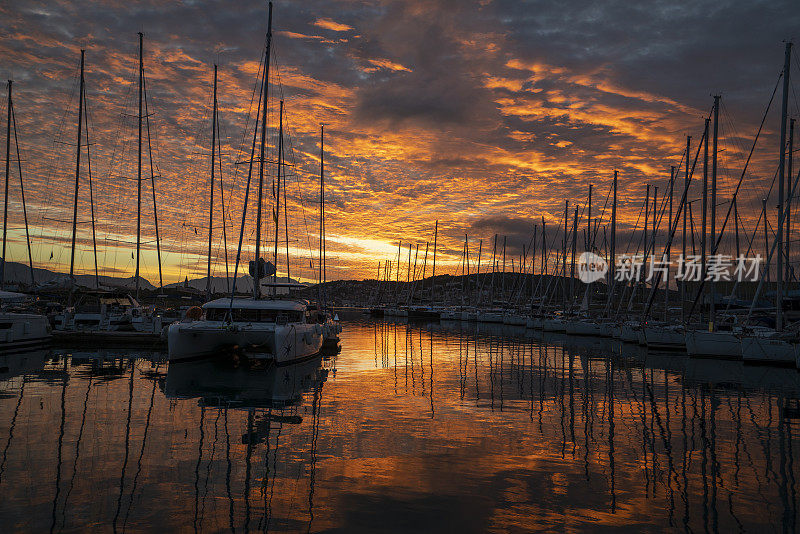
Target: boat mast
<point>789,269</point>
<point>321,211</point>
<point>211,186</point>
<point>22,194</point>
<point>91,195</point>
<point>139,168</point>
<point>713,308</point>
<point>543,269</point>
<point>612,260</point>
<point>781,179</point>
<point>433,272</point>
<point>703,238</point>
<point>683,241</point>
<point>277,216</point>
<point>5,204</point>
<point>77,170</point>
<point>669,241</point>
<point>265,87</point>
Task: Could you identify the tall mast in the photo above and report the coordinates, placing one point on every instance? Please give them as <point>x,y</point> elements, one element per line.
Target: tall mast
<point>588,240</point>
<point>655,222</point>
<point>713,308</point>
<point>139,167</point>
<point>612,259</point>
<point>433,273</point>
<point>564,247</point>
<point>277,217</point>
<point>503,282</point>
<point>77,170</point>
<point>265,87</point>
<point>789,270</point>
<point>572,262</point>
<point>788,221</point>
<point>645,243</point>
<point>8,172</point>
<point>683,241</point>
<point>321,210</point>
<point>91,196</point>
<point>781,179</point>
<point>22,195</point>
<point>669,241</point>
<point>543,269</point>
<point>703,238</point>
<point>211,186</point>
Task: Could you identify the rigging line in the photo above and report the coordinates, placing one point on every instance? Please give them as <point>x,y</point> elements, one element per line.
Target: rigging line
<point>22,194</point>
<point>300,195</point>
<point>121,146</point>
<point>57,157</point>
<point>91,193</point>
<point>152,182</point>
<point>256,279</point>
<point>715,240</point>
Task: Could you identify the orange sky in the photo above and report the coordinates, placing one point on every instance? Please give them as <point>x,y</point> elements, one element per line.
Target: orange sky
<point>485,117</point>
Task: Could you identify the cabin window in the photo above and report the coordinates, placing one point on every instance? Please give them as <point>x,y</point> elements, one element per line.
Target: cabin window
<point>245,315</point>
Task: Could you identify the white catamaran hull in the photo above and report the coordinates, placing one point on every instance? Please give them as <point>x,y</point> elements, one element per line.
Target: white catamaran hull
<point>281,343</point>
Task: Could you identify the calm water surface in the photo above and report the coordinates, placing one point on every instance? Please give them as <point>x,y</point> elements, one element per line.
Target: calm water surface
<point>409,428</point>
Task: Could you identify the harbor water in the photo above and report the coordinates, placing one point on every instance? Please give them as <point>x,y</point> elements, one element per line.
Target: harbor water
<point>422,427</point>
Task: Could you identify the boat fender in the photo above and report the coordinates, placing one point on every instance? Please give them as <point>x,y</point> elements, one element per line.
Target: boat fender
<point>195,313</point>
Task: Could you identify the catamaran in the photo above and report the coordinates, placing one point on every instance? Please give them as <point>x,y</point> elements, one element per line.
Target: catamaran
<point>280,330</point>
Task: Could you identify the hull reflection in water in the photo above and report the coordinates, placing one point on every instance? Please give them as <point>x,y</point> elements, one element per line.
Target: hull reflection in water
<point>217,384</point>
<point>467,427</point>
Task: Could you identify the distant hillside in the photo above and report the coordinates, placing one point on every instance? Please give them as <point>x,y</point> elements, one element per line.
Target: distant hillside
<point>18,275</point>
<point>222,284</point>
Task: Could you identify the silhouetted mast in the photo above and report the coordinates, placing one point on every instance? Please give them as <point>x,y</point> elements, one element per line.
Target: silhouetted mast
<point>211,187</point>
<point>77,170</point>
<point>8,172</point>
<point>22,188</point>
<point>139,167</point>
<point>265,87</point>
<point>781,179</point>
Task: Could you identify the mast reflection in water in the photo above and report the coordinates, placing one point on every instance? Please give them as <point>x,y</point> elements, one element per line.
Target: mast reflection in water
<point>422,427</point>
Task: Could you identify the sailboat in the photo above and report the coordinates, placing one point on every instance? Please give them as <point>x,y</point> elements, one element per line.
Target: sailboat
<point>330,323</point>
<point>767,345</point>
<point>272,329</point>
<point>18,331</point>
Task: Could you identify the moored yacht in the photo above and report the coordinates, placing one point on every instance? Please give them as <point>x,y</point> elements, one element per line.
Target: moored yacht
<point>281,330</point>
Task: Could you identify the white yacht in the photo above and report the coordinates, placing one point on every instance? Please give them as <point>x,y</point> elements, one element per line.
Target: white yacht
<point>281,330</point>
<point>21,331</point>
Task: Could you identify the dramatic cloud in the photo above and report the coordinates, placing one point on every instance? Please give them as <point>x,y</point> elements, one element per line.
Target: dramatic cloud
<point>484,116</point>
